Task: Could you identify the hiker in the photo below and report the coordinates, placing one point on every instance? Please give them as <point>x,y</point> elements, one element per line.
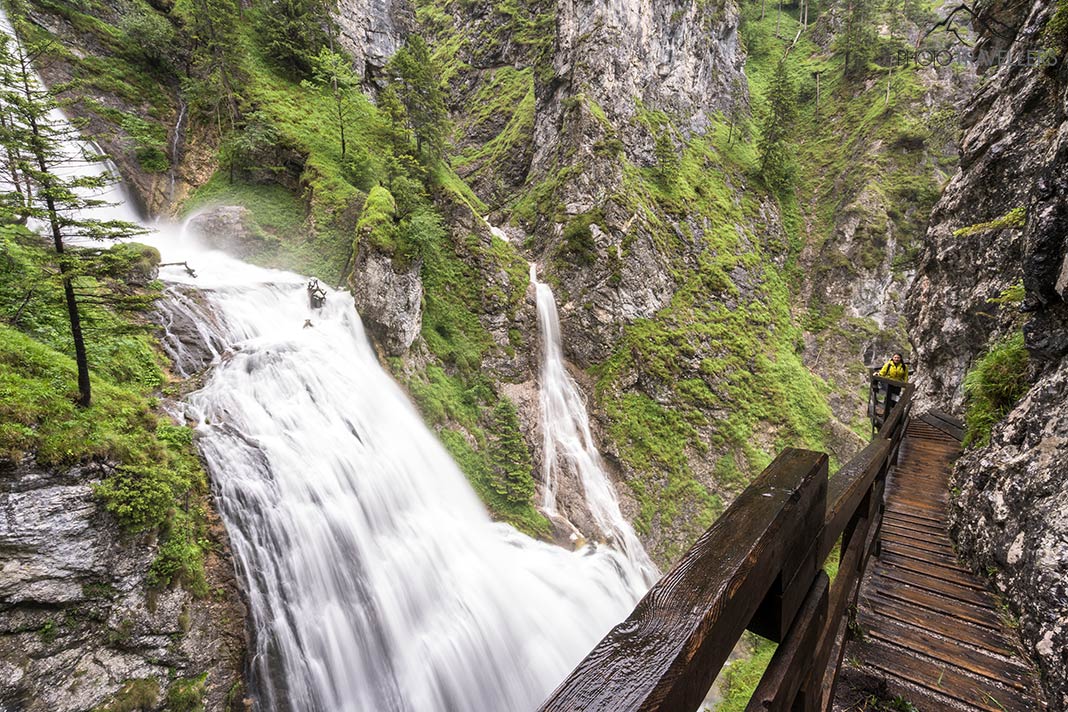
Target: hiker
<point>316,294</point>
<point>895,369</point>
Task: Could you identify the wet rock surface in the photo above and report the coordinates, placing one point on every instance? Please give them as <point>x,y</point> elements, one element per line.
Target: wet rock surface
<point>389,300</point>
<point>80,626</point>
<point>1010,498</point>
<point>230,228</point>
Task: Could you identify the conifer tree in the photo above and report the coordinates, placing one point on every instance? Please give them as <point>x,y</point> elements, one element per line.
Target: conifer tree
<point>335,71</point>
<point>776,157</point>
<point>418,86</point>
<point>294,31</point>
<point>38,142</point>
<point>857,42</point>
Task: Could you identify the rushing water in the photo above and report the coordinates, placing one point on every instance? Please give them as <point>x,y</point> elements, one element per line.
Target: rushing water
<point>567,443</point>
<point>376,579</point>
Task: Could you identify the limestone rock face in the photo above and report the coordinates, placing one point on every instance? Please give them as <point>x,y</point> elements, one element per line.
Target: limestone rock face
<point>78,621</point>
<point>1012,515</point>
<point>611,58</point>
<point>1013,134</point>
<point>230,228</point>
<point>1010,505</point>
<point>372,30</point>
<point>389,300</point>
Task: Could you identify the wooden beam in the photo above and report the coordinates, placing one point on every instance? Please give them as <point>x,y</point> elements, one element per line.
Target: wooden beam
<point>665,656</point>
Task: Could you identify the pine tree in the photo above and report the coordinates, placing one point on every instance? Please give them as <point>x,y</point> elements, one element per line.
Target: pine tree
<point>858,41</point>
<point>418,86</point>
<point>334,70</point>
<point>294,31</point>
<point>36,141</point>
<point>776,157</point>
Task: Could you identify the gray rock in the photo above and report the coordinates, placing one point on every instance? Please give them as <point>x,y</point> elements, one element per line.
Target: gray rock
<point>389,300</point>
<point>1010,509</point>
<point>1011,517</point>
<point>371,31</point>
<point>77,617</point>
<point>230,228</point>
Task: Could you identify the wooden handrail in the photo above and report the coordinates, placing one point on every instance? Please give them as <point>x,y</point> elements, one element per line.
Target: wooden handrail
<point>759,566</point>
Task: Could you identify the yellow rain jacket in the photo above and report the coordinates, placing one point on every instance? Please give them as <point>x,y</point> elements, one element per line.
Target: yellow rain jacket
<point>898,372</point>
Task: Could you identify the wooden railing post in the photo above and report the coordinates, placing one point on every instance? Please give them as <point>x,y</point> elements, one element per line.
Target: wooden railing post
<point>665,656</point>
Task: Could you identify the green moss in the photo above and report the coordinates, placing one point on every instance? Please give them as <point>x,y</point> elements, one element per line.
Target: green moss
<point>992,386</point>
<point>137,694</point>
<point>1015,218</point>
<point>155,464</point>
<point>742,676</point>
<point>187,694</point>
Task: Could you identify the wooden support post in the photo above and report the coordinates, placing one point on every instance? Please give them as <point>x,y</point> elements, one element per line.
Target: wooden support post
<point>664,657</point>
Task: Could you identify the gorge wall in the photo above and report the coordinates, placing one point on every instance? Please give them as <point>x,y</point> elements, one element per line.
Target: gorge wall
<point>1003,221</point>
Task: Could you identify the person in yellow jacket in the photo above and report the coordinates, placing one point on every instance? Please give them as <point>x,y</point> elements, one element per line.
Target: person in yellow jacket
<point>896,369</point>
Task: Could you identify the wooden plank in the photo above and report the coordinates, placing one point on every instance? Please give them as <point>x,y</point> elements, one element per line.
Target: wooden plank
<point>952,575</point>
<point>939,622</point>
<point>946,417</point>
<point>667,653</point>
<point>847,488</point>
<point>935,602</point>
<point>945,679</point>
<point>1004,671</point>
<point>793,660</point>
<point>955,591</point>
<point>929,557</point>
<point>948,428</point>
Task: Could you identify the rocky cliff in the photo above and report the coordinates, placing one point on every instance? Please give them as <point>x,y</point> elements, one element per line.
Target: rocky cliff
<point>1003,221</point>
<point>82,627</point>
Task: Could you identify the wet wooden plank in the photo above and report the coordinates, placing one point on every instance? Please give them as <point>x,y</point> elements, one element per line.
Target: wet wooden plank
<point>945,679</point>
<point>936,602</point>
<point>951,575</point>
<point>949,651</point>
<point>939,622</point>
<point>955,432</point>
<point>980,599</point>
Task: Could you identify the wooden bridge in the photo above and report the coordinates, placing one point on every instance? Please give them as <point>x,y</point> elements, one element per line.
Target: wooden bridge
<point>915,625</point>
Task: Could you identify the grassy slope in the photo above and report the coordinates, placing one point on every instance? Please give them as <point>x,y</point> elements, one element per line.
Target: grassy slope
<point>153,466</point>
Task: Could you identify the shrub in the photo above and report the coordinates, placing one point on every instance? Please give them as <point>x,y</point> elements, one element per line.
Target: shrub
<point>992,387</point>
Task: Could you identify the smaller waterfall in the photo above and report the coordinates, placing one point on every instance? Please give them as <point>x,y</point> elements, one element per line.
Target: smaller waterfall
<point>567,443</point>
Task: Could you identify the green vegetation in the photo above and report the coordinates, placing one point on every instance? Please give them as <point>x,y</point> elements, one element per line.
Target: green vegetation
<point>187,694</point>
<point>742,676</point>
<point>1015,218</point>
<point>992,386</point>
<point>136,694</point>
<point>150,464</point>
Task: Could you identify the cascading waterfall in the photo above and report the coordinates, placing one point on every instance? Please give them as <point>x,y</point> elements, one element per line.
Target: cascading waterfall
<point>376,580</point>
<point>567,440</point>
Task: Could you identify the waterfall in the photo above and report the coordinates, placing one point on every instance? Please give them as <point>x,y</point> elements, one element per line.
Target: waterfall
<point>568,443</point>
<point>566,439</point>
<point>376,580</point>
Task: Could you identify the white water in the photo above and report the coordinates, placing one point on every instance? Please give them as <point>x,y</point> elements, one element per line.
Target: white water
<point>566,439</point>
<point>568,443</point>
<point>376,580</point>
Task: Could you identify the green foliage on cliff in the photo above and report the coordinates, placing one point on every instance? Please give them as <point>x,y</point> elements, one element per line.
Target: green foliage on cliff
<point>1014,219</point>
<point>992,386</point>
<point>136,694</point>
<point>150,464</point>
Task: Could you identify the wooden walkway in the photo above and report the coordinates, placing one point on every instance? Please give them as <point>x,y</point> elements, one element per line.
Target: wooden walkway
<point>930,632</point>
